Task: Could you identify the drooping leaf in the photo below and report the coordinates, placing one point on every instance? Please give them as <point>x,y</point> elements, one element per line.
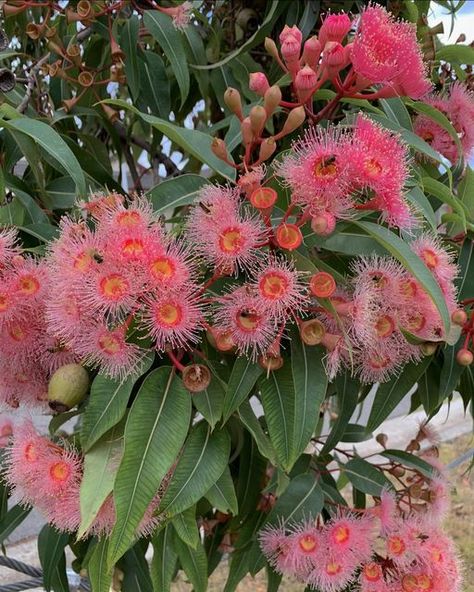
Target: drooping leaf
<point>171,42</point>
<point>365,477</point>
<point>459,54</point>
<point>50,141</point>
<point>107,404</point>
<point>13,518</point>
<point>173,193</point>
<point>410,460</point>
<point>310,382</point>
<point>186,528</point>
<point>389,394</point>
<point>129,42</point>
<point>242,380</point>
<point>222,494</point>
<point>136,569</point>
<point>203,460</point>
<point>154,84</point>
<point>302,499</point>
<point>251,422</point>
<point>347,396</point>
<point>278,400</point>
<point>51,544</point>
<point>164,559</point>
<point>194,563</point>
<point>100,576</point>
<point>210,401</point>
<point>155,431</point>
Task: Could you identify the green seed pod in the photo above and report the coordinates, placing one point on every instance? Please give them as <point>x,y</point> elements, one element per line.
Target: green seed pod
<point>67,387</point>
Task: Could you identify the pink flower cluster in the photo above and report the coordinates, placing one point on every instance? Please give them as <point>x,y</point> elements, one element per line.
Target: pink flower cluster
<point>332,173</point>
<point>181,14</point>
<point>47,475</point>
<point>382,52</point>
<point>382,549</point>
<point>125,268</point>
<point>28,353</point>
<point>458,106</point>
<point>384,302</point>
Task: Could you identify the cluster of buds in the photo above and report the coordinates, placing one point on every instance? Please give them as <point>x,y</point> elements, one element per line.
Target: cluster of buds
<point>47,475</point>
<point>464,317</point>
<point>397,544</point>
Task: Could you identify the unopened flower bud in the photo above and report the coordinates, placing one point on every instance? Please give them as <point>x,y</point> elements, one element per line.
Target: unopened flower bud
<point>233,101</point>
<point>334,55</point>
<point>293,31</point>
<point>288,236</point>
<point>290,50</point>
<point>247,132</point>
<point>85,79</point>
<point>272,99</point>
<point>258,117</point>
<point>305,82</point>
<point>67,387</point>
<point>271,48</point>
<point>334,28</point>
<point>258,83</point>
<point>312,332</point>
<point>267,148</point>
<point>397,471</point>
<point>323,223</point>
<point>464,357</point>
<point>312,51</point>
<point>295,118</point>
<point>322,285</point>
<point>196,378</point>
<point>382,439</point>
<point>459,317</point>
<point>428,348</point>
<point>219,148</point>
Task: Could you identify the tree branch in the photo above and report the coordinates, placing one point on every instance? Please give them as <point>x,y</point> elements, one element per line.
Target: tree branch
<point>31,83</point>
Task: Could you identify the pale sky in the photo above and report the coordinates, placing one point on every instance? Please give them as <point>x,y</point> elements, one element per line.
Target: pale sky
<point>464,22</point>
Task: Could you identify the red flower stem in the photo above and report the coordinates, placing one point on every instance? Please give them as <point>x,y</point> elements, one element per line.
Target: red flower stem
<point>176,363</point>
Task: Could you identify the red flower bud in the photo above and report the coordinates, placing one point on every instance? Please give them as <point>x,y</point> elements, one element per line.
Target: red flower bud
<point>259,83</point>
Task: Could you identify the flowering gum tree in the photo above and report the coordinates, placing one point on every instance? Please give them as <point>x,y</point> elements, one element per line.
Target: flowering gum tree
<point>214,243</point>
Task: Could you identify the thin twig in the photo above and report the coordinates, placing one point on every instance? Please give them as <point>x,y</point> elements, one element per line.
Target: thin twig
<point>31,83</point>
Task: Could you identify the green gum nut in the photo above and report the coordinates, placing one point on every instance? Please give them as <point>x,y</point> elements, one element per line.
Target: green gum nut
<point>67,387</point>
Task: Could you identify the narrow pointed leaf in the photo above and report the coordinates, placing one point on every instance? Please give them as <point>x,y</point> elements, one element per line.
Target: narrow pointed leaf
<point>51,544</point>
<point>210,401</point>
<point>303,499</point>
<point>202,462</point>
<point>241,382</point>
<point>176,192</point>
<point>155,431</point>
<point>365,477</point>
<point>186,528</point>
<point>100,576</point>
<point>222,494</point>
<point>194,564</point>
<point>164,559</point>
<point>347,397</point>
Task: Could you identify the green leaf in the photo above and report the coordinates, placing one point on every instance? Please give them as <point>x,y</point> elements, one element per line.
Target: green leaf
<point>397,112</point>
<point>302,499</point>
<point>428,388</point>
<point>459,54</point>
<point>401,251</point>
<point>443,193</point>
<point>194,564</point>
<point>465,280</point>
<point>154,83</point>
<point>210,401</point>
<point>136,569</point>
<point>278,400</point>
<point>100,467</point>
<point>194,142</point>
<point>310,382</point>
<point>171,42</point>
<point>99,575</point>
<point>274,12</point>
<point>389,394</point>
<point>11,520</point>
<point>451,371</point>
<point>164,559</point>
<point>239,566</point>
<point>50,141</point>
<point>422,204</point>
<point>222,494</point>
<point>155,431</point>
<point>252,468</point>
<point>202,462</point>
<point>355,433</point>
<point>185,526</point>
<point>250,421</point>
<point>129,43</point>
<point>241,382</point>
<point>177,192</point>
<point>365,477</point>
<point>51,544</point>
<point>410,460</point>
<point>347,395</point>
<point>107,404</point>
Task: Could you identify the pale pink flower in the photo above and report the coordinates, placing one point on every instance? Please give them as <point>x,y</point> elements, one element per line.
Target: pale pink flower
<point>348,534</point>
<point>246,318</point>
<point>460,109</point>
<point>305,546</point>
<point>317,171</point>
<point>8,246</point>
<point>174,318</point>
<point>180,14</point>
<point>334,572</point>
<point>6,431</point>
<point>279,287</point>
<point>276,547</point>
<point>137,216</point>
<point>170,266</point>
<point>110,288</point>
<point>436,257</point>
